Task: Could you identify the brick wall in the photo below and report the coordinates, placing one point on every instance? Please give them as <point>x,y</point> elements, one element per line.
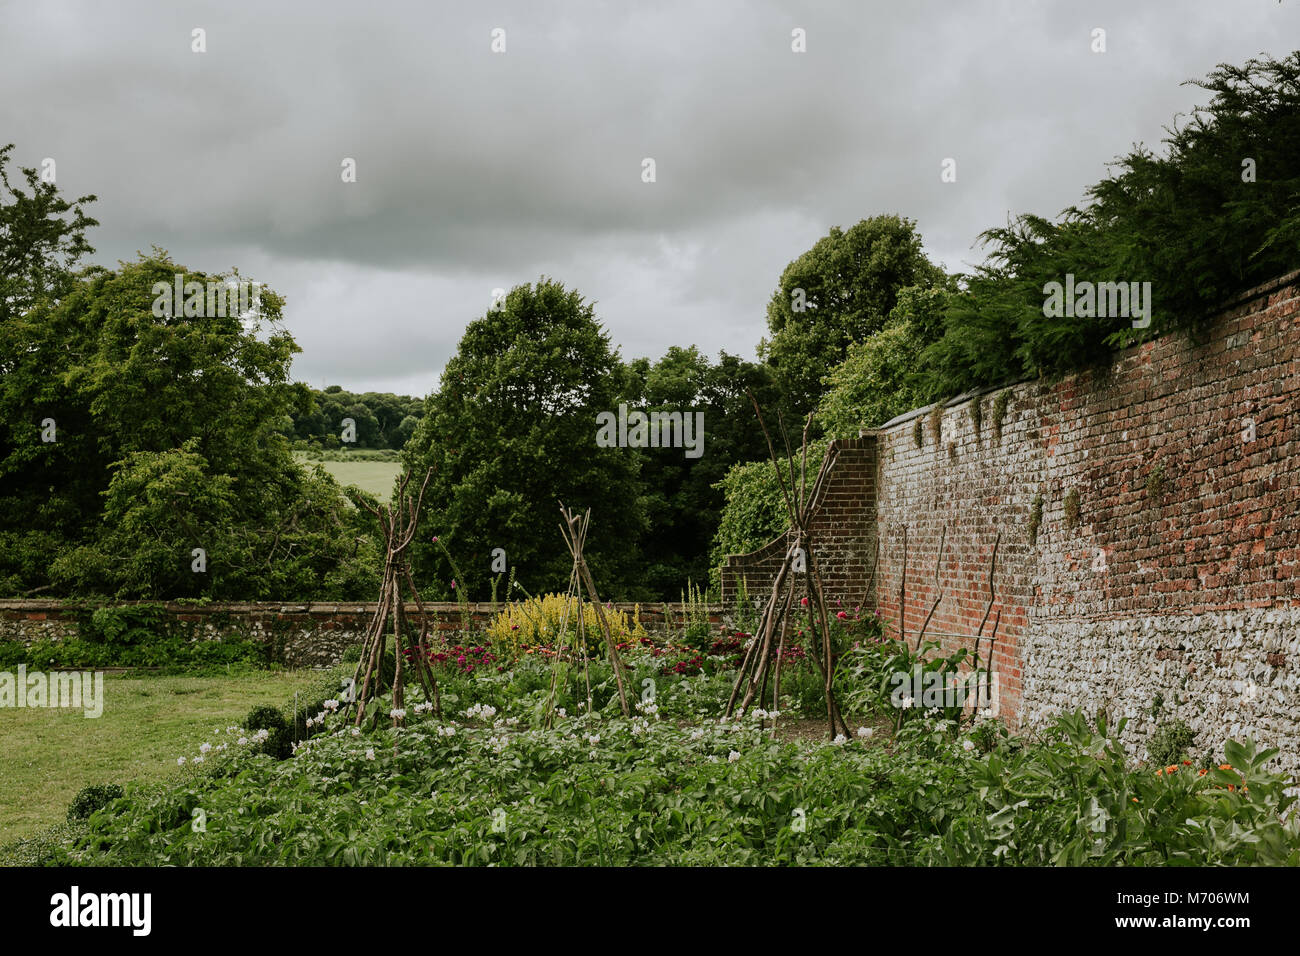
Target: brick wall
<point>844,536</point>
<point>301,635</point>
<point>1177,580</point>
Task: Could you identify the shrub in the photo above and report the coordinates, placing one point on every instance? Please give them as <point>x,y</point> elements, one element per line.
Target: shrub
<point>537,621</point>
<point>279,743</point>
<point>1170,743</point>
<point>90,799</point>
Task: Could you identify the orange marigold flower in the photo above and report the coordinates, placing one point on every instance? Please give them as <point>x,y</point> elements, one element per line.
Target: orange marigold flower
<point>1135,799</point>
<point>1171,768</point>
<point>1202,772</point>
<point>1187,763</point>
<point>1232,788</point>
<point>1225,766</point>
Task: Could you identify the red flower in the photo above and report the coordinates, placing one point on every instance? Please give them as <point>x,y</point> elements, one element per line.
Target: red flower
<point>841,615</point>
<point>803,601</point>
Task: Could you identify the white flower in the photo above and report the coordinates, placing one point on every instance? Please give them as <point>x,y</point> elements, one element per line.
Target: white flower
<point>204,748</point>
<point>231,730</point>
<point>222,746</point>
<point>759,714</point>
<point>331,705</point>
<point>446,731</point>
<point>370,753</point>
<point>198,760</point>
<point>840,739</point>
<point>908,702</point>
<point>398,713</point>
<point>866,731</point>
<point>180,761</point>
<point>697,733</point>
<point>560,711</point>
<point>733,756</point>
<point>968,745</point>
<point>986,712</point>
<point>593,739</point>
<point>241,741</point>
<point>511,721</point>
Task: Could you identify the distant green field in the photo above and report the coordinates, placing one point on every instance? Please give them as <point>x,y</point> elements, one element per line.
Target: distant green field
<point>376,477</point>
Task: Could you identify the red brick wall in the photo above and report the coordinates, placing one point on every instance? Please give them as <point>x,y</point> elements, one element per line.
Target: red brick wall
<point>844,536</point>
<point>1187,605</point>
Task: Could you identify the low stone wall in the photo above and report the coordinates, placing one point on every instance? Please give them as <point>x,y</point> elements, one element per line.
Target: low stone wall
<point>300,635</point>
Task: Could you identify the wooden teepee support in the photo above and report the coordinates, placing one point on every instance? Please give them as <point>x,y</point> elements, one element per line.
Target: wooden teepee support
<point>398,522</point>
<point>764,653</point>
<point>574,530</point>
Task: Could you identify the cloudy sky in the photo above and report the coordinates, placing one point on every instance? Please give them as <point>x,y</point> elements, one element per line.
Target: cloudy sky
<point>477,170</point>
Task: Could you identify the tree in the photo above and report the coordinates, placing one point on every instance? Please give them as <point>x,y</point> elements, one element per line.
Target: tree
<point>683,493</point>
<point>42,239</point>
<point>838,292</point>
<point>1216,215</point>
<point>165,433</point>
<point>878,378</point>
<point>511,430</point>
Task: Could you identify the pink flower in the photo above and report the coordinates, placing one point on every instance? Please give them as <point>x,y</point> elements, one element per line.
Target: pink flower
<point>841,615</point>
<point>453,585</point>
<point>435,539</point>
<point>803,601</point>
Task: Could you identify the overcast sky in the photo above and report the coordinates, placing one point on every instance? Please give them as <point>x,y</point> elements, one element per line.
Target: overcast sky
<point>478,170</point>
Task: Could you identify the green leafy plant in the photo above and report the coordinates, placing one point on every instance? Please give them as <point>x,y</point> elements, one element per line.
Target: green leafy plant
<point>1170,742</point>
<point>1000,406</point>
<point>1035,519</point>
<point>1072,509</point>
<point>92,798</point>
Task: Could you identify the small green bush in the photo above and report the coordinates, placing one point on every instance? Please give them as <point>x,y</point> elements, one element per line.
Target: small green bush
<point>1170,743</point>
<point>279,743</point>
<point>92,798</point>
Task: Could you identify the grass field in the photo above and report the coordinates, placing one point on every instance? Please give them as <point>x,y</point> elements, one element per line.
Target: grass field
<point>50,754</point>
<point>376,477</point>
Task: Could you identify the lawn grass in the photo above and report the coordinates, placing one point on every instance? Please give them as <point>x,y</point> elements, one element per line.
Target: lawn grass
<point>376,477</point>
<point>49,753</point>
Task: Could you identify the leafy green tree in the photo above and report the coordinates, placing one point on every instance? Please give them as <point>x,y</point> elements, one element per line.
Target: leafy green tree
<point>682,494</point>
<point>165,427</point>
<point>878,379</point>
<point>42,239</point>
<point>839,292</point>
<point>1218,213</point>
<point>512,431</point>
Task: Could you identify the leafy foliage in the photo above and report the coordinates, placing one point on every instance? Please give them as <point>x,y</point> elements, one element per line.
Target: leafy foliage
<point>839,292</point>
<point>511,430</point>
<point>165,442</point>
<point>92,798</point>
<point>1192,222</point>
<point>755,512</point>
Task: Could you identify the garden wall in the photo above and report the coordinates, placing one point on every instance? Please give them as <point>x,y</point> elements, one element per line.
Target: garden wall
<point>301,635</point>
<point>1162,573</point>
